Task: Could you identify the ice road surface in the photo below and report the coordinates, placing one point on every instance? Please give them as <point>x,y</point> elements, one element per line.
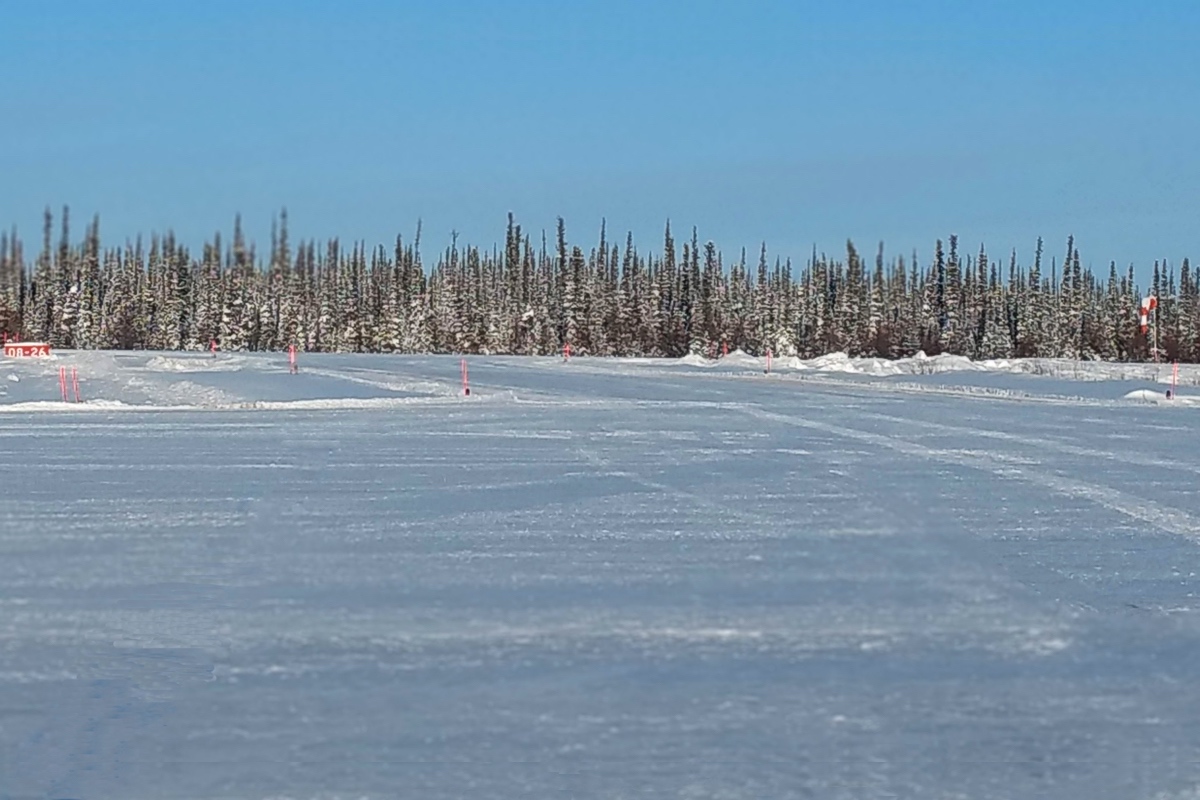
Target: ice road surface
<point>601,579</point>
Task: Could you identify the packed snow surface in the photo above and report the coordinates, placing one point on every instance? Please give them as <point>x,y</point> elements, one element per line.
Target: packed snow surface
<point>844,578</point>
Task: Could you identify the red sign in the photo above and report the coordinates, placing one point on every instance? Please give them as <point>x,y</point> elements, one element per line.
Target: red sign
<point>26,349</point>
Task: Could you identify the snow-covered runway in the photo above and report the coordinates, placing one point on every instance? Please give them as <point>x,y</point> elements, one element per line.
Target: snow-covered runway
<point>596,579</point>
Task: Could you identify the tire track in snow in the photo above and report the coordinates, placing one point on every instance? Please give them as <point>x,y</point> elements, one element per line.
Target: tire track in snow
<point>1165,518</point>
<point>697,499</point>
<point>1127,456</point>
<point>389,383</point>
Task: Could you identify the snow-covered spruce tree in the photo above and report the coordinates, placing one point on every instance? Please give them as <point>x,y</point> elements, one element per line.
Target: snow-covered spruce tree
<point>237,307</point>
<point>1188,328</point>
<point>521,300</point>
<point>996,342</point>
<point>11,283</point>
<point>911,307</point>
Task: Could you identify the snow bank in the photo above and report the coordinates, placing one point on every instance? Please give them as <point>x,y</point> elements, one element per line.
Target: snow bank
<point>204,363</point>
<point>198,381</point>
<point>1147,396</point>
<point>338,403</point>
<point>739,358</point>
<point>33,406</point>
<point>919,364</point>
<point>922,364</point>
<point>1160,398</point>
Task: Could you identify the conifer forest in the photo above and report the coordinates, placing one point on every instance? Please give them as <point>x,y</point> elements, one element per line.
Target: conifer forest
<point>607,297</point>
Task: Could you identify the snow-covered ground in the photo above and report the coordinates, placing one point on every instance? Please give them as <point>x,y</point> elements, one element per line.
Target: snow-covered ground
<point>609,578</point>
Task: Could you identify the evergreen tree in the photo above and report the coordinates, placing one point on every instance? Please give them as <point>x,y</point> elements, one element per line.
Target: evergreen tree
<point>604,300</point>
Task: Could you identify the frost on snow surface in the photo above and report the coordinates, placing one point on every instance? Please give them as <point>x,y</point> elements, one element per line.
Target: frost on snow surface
<point>844,578</point>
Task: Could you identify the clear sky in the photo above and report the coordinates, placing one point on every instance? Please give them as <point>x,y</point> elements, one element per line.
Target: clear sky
<point>797,123</point>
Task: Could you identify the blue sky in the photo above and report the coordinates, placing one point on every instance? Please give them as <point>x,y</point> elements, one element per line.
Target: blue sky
<point>797,123</point>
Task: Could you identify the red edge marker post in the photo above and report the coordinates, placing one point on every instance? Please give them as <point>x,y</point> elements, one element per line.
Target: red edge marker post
<point>292,359</point>
<point>466,383</point>
<point>767,371</point>
<point>1175,380</point>
<point>62,383</point>
<point>75,383</point>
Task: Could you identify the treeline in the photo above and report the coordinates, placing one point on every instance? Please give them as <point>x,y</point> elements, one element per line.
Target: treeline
<point>606,298</point>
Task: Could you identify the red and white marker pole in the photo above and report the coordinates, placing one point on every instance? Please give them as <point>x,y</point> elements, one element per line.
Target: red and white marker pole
<point>75,382</point>
<point>466,383</point>
<point>62,383</point>
<point>292,358</point>
<point>1174,380</point>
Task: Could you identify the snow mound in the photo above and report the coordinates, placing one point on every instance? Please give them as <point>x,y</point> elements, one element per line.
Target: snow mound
<point>1147,396</point>
<point>792,362</point>
<point>843,363</point>
<point>919,364</point>
<point>197,363</point>
<point>88,405</point>
<point>740,358</point>
<point>833,362</point>
<point>830,361</point>
<point>943,363</point>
